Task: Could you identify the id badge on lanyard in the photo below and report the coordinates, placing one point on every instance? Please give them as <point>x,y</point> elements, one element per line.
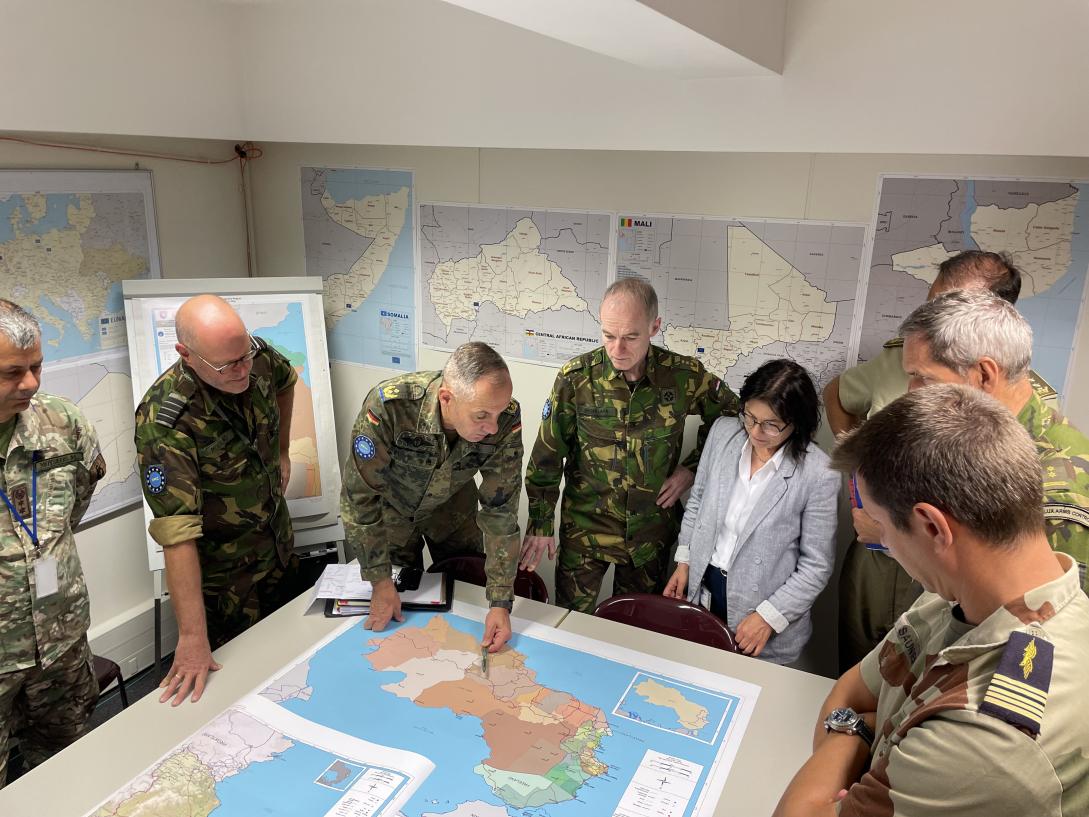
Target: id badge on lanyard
<point>45,568</point>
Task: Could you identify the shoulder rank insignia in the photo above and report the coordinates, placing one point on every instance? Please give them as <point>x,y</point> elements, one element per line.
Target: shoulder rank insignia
<point>388,393</point>
<point>1018,691</point>
<point>895,343</point>
<point>1064,510</point>
<point>669,395</point>
<point>416,391</point>
<point>512,408</point>
<point>171,409</point>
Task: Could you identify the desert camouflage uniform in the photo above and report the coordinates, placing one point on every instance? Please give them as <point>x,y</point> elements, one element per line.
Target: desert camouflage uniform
<point>615,446</point>
<point>210,470</point>
<point>986,721</point>
<point>47,686</point>
<point>1064,455</point>
<point>405,482</point>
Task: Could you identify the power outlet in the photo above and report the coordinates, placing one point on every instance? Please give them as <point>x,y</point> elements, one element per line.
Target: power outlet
<point>129,667</point>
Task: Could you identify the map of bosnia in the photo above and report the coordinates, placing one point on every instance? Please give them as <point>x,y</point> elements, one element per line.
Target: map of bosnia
<point>1043,225</point>
<point>542,741</point>
<point>63,252</point>
<point>738,293</point>
<point>527,282</point>
<point>358,233</point>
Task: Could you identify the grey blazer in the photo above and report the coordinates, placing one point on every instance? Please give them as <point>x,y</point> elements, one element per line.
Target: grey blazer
<point>786,552</point>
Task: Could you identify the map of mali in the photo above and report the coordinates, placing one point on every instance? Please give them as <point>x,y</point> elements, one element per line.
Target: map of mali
<point>379,218</point>
<point>690,715</point>
<point>543,741</point>
<point>769,301</point>
<point>513,274</point>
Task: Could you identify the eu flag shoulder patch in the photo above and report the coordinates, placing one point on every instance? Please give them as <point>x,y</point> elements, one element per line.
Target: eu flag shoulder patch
<point>1018,691</point>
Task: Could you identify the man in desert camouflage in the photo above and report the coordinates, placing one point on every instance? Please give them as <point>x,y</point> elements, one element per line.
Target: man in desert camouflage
<point>417,445</point>
<point>613,427</point>
<point>981,341</point>
<point>975,702</point>
<point>49,466</point>
<point>212,440</point>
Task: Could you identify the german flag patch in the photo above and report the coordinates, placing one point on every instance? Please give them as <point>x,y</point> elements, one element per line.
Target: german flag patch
<point>372,418</point>
<point>1018,691</point>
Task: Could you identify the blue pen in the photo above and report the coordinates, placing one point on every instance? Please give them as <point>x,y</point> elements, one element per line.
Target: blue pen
<point>858,504</point>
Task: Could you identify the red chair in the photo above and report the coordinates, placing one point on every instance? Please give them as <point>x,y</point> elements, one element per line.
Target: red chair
<point>470,569</point>
<point>667,616</point>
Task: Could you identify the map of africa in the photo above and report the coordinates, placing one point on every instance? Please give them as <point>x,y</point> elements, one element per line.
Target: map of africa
<point>736,293</point>
<point>527,282</point>
<point>358,233</point>
<point>67,240</point>
<point>1042,225</point>
<point>406,722</point>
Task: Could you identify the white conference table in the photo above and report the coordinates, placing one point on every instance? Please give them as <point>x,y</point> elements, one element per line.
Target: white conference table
<point>86,773</point>
<point>780,735</point>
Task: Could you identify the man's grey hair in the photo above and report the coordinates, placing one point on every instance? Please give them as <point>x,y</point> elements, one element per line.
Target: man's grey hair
<point>18,326</point>
<point>964,326</point>
<point>469,363</point>
<point>953,447</point>
<point>638,290</point>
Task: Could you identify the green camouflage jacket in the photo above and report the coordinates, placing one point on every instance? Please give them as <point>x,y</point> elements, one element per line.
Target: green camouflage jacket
<point>210,467</point>
<point>987,720</point>
<point>1064,454</point>
<point>402,469</point>
<point>53,437</point>
<point>615,447</point>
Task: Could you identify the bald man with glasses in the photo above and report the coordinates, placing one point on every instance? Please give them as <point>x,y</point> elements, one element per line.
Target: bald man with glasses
<point>212,437</point>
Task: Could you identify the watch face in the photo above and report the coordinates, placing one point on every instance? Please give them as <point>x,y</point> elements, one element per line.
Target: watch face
<point>842,717</point>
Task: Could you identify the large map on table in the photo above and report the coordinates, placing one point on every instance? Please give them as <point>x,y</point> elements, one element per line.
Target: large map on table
<point>357,229</point>
<point>67,240</point>
<point>527,282</point>
<point>736,293</point>
<point>1042,224</point>
<point>407,722</point>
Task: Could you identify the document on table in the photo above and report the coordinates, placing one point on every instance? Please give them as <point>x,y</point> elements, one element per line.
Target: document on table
<point>342,582</point>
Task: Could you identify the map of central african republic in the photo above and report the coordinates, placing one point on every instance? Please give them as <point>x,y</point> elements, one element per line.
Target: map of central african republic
<point>527,282</point>
<point>407,722</point>
<point>67,240</point>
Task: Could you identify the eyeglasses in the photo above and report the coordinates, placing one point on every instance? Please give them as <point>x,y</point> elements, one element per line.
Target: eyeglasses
<point>246,358</point>
<point>772,429</point>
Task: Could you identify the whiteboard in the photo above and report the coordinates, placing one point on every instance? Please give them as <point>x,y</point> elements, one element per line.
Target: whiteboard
<point>286,312</point>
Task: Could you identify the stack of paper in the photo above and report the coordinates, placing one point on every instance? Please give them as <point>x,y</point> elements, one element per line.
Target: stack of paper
<point>346,594</point>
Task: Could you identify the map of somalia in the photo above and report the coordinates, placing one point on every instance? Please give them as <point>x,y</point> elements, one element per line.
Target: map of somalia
<point>543,742</point>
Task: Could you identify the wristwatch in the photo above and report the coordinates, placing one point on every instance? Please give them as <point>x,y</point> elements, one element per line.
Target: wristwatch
<point>506,604</point>
<point>848,722</point>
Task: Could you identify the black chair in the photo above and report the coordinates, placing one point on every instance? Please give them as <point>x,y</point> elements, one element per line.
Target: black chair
<point>470,569</point>
<point>667,616</point>
<point>107,671</point>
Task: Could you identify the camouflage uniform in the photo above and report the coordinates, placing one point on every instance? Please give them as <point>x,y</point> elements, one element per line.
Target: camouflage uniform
<point>47,686</point>
<point>405,482</point>
<point>615,446</point>
<point>210,468</point>
<point>874,589</point>
<point>1064,454</point>
<point>987,720</point>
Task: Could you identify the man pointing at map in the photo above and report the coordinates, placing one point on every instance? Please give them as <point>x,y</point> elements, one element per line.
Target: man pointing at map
<point>212,438</point>
<point>417,446</point>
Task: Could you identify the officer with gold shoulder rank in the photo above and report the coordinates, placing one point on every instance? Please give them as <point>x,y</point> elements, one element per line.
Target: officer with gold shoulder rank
<point>417,445</point>
<point>49,466</point>
<point>974,704</point>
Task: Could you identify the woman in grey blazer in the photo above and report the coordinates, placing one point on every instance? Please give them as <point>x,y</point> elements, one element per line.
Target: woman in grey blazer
<point>757,543</point>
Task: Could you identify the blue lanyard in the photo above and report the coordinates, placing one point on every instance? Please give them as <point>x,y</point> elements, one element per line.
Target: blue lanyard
<point>32,533</point>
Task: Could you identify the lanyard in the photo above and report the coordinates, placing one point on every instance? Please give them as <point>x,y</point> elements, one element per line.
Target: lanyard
<point>32,533</point>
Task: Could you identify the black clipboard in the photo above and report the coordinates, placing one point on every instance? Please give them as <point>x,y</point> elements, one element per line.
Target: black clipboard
<point>446,598</point>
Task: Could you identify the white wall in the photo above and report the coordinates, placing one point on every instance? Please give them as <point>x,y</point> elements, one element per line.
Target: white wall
<point>201,234</point>
<point>817,186</point>
<point>974,76</point>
